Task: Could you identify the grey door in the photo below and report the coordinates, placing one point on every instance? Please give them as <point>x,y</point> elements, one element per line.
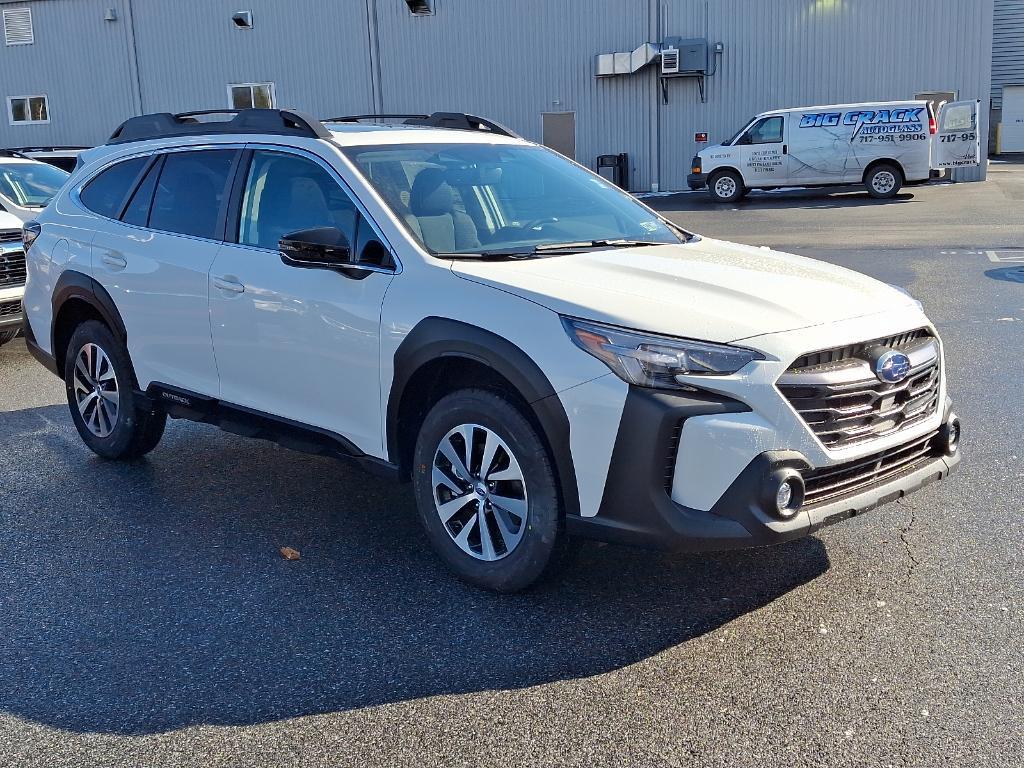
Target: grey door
<point>558,130</point>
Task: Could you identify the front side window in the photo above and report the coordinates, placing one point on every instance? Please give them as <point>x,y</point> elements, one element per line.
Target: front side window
<point>468,198</point>
<point>286,193</point>
<point>105,194</point>
<point>250,95</point>
<point>767,131</point>
<point>26,110</point>
<point>189,194</point>
<point>30,185</point>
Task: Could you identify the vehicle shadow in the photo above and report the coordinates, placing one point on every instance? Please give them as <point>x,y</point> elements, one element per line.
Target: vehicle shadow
<point>842,197</point>
<point>1014,274</point>
<point>139,598</point>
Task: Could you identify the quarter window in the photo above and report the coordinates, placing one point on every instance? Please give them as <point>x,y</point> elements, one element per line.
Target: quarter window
<point>251,95</point>
<point>189,194</point>
<point>27,110</point>
<point>137,211</point>
<point>105,194</point>
<point>286,193</point>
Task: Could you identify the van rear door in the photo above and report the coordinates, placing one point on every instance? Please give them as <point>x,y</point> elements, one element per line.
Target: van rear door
<point>957,140</point>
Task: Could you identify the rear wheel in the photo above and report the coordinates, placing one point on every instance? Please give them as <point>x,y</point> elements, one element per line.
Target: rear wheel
<point>101,387</point>
<point>485,490</point>
<point>726,186</point>
<point>883,181</point>
<point>7,336</point>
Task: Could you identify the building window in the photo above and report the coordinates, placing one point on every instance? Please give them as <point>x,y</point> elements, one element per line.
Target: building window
<point>250,95</point>
<point>18,26</point>
<point>27,110</point>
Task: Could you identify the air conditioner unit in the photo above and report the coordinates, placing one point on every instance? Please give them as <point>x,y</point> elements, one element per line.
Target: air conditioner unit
<point>670,61</point>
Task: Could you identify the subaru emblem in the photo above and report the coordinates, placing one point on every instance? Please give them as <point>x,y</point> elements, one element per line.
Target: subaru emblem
<point>892,367</point>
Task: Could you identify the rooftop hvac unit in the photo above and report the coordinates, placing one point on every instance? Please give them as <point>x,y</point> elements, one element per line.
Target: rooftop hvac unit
<point>670,61</point>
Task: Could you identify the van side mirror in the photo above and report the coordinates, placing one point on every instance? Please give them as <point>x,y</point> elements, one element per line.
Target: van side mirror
<point>320,248</point>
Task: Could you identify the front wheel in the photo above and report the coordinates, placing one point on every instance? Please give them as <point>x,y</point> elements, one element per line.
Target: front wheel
<point>8,336</point>
<point>883,182</point>
<point>101,385</point>
<point>485,490</point>
<point>726,186</point>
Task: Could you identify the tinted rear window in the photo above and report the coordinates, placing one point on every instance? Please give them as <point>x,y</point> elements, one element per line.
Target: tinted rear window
<point>190,192</point>
<point>106,193</point>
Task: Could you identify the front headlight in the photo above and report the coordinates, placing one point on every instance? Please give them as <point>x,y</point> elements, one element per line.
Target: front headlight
<point>647,360</point>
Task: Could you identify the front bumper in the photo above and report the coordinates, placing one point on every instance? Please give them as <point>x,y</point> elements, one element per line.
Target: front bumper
<point>697,180</point>
<point>11,311</point>
<point>637,509</point>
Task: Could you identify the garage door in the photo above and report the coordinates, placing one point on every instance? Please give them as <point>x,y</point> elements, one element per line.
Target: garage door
<point>1013,119</point>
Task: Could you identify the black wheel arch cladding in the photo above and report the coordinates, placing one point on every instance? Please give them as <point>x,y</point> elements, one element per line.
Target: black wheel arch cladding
<point>435,338</point>
<point>73,285</point>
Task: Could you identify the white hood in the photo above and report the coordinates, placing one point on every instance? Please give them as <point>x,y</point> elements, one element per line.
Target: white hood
<point>9,221</point>
<point>710,289</point>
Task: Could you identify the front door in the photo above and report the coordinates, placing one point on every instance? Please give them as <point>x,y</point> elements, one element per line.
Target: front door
<point>302,344</point>
<point>764,154</point>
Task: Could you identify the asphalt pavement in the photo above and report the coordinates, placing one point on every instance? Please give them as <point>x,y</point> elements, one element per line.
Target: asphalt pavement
<point>147,617</point>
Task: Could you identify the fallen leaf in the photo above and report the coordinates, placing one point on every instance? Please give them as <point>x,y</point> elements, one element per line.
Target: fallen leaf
<point>290,554</point>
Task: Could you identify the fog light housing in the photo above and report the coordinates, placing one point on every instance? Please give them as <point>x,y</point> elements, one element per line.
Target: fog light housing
<point>949,436</point>
<point>784,493</point>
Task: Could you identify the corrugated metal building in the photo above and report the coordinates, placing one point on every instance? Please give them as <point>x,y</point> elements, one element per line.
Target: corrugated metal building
<point>530,64</point>
<point>1007,48</point>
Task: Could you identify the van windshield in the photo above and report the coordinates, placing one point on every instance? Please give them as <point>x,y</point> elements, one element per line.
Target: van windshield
<point>490,199</point>
<point>30,185</point>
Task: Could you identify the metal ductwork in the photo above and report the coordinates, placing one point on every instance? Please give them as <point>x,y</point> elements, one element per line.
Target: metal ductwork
<point>609,64</point>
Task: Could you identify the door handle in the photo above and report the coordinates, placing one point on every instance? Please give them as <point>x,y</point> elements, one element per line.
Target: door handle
<point>229,285</point>
<point>785,149</point>
<point>114,261</point>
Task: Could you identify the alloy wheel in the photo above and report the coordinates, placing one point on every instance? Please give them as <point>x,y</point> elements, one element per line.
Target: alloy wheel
<point>479,492</point>
<point>96,390</point>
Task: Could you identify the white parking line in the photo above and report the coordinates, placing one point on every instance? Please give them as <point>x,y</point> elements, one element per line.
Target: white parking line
<point>996,258</point>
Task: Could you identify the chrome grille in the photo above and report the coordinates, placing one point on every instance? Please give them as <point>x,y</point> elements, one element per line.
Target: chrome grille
<point>12,268</point>
<point>844,403</point>
<point>9,308</point>
<point>10,236</point>
<point>834,482</point>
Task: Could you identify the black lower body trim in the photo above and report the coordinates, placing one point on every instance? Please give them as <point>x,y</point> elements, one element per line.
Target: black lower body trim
<point>182,404</point>
<point>697,180</point>
<point>47,360</point>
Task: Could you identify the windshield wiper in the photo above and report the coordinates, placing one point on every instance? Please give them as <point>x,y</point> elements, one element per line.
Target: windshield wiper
<point>584,244</point>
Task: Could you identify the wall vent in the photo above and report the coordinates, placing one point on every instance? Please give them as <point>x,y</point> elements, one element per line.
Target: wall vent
<point>420,7</point>
<point>242,19</point>
<point>18,26</point>
<point>670,61</point>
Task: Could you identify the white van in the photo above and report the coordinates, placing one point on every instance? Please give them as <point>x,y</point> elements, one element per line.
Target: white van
<point>881,145</point>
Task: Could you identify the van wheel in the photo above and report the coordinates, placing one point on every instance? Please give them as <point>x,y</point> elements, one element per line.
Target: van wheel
<point>486,492</point>
<point>726,186</point>
<point>101,389</point>
<point>884,181</point>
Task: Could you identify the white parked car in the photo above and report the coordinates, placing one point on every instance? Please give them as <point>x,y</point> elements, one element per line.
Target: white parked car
<point>12,277</point>
<point>27,185</point>
<point>541,354</point>
<point>881,145</point>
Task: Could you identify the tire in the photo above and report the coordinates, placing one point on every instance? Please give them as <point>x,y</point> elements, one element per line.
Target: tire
<point>111,420</point>
<point>514,556</point>
<point>883,181</point>
<point>726,186</point>
<point>7,336</point>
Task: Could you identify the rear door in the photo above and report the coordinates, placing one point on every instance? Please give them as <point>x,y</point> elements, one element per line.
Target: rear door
<point>957,140</point>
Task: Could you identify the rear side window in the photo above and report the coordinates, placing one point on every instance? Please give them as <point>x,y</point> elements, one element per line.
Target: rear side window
<point>190,192</point>
<point>106,193</point>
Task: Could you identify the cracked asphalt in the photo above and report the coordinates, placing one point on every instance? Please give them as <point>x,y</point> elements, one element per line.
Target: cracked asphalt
<point>148,619</point>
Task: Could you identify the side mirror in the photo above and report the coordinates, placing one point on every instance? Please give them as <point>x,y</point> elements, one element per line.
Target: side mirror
<point>320,248</point>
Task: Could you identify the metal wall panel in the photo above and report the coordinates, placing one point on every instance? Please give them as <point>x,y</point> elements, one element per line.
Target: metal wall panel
<point>78,62</point>
<point>513,61</point>
<point>315,52</point>
<point>1007,47</point>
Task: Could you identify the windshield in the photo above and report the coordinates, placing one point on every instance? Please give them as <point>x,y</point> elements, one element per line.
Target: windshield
<point>738,133</point>
<point>30,185</point>
<point>486,198</point>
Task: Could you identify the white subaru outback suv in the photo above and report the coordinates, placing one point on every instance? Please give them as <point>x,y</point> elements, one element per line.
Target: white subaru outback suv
<point>541,354</point>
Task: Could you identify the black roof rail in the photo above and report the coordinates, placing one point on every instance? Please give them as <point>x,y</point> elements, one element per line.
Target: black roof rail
<point>278,122</point>
<point>454,120</point>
